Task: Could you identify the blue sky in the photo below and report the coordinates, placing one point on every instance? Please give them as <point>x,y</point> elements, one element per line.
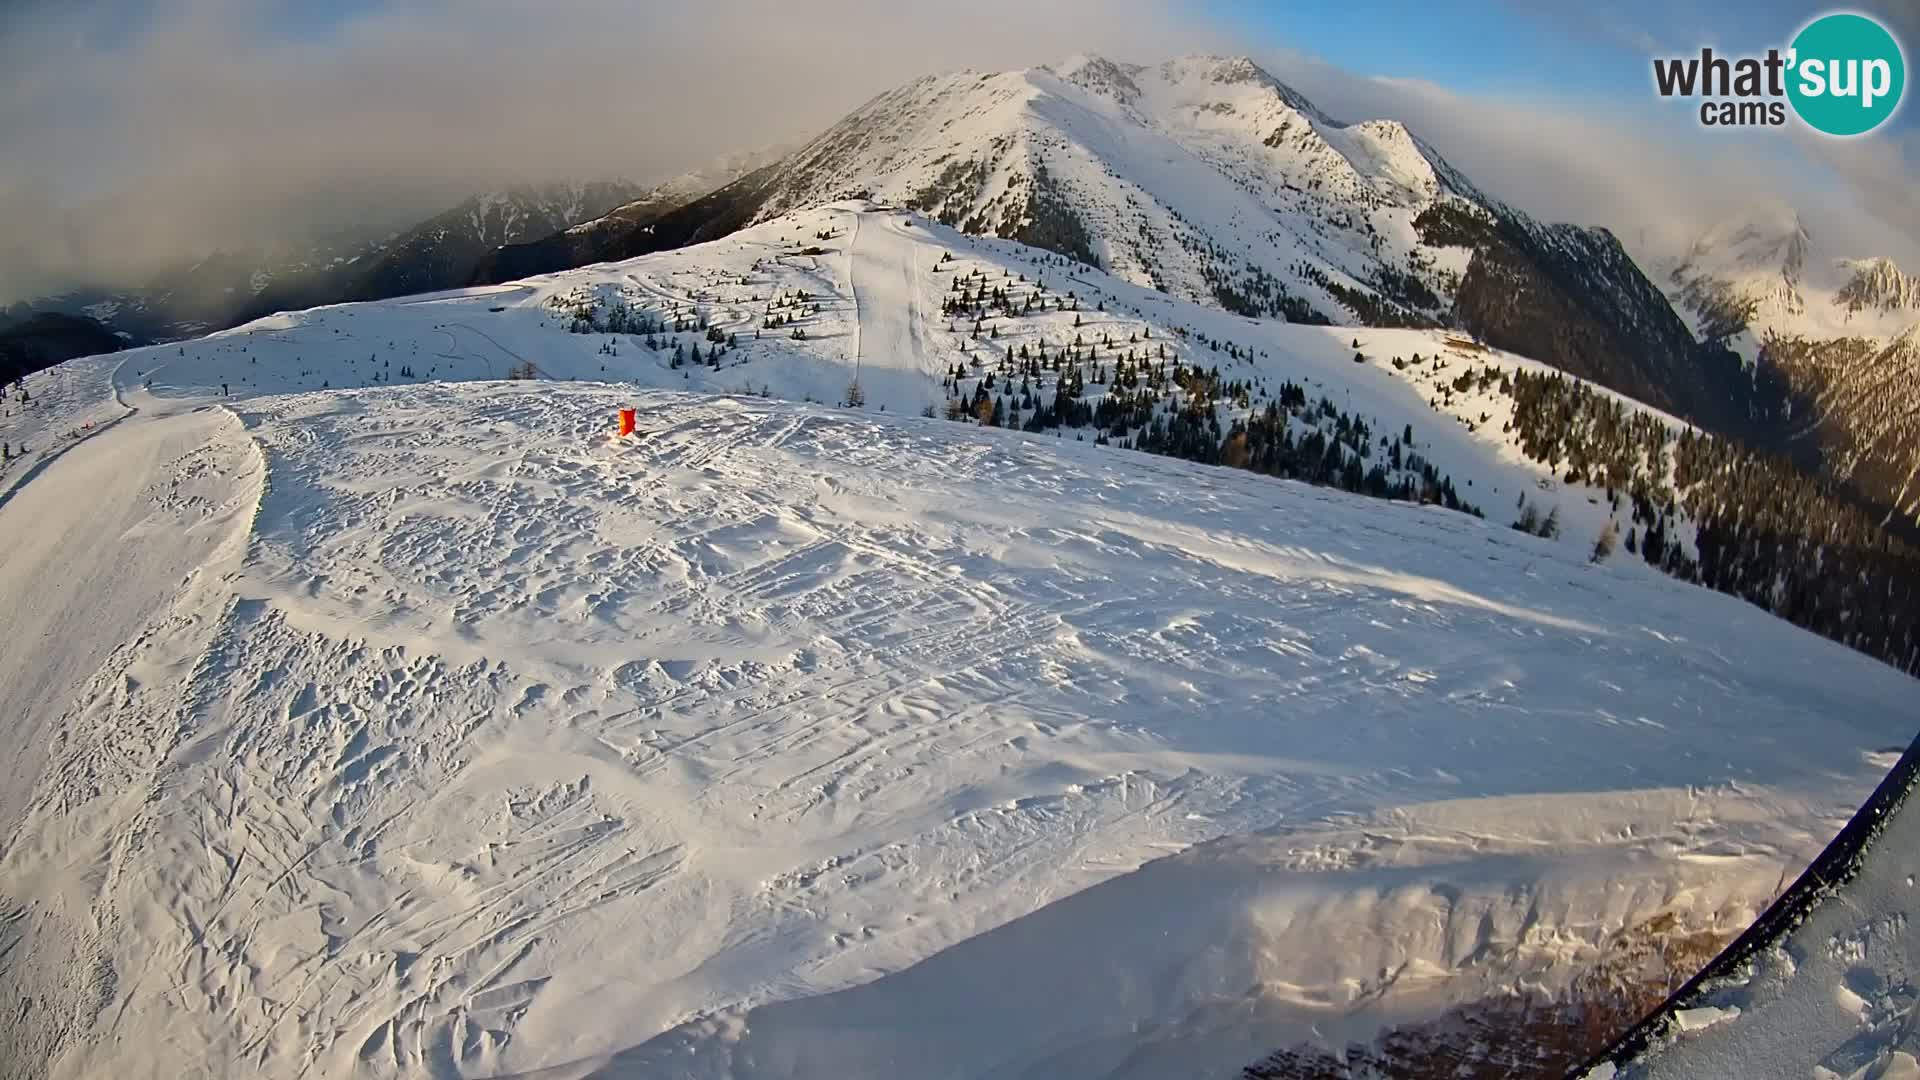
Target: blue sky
<point>1568,53</point>
<point>1552,106</point>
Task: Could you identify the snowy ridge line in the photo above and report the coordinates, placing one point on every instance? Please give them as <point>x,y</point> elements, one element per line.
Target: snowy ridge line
<point>12,481</point>
<point>1208,179</point>
<point>629,318</point>
<point>1837,864</point>
<point>1835,336</point>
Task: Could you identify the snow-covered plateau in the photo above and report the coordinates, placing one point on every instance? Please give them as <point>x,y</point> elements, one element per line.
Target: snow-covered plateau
<point>375,714</point>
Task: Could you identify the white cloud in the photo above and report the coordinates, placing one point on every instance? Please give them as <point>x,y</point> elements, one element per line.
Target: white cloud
<point>1646,171</point>
<point>214,127</point>
<point>1882,175</point>
<point>131,145</point>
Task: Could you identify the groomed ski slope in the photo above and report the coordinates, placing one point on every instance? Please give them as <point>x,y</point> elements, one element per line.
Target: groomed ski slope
<point>112,527</point>
<point>887,282</point>
<point>786,740</point>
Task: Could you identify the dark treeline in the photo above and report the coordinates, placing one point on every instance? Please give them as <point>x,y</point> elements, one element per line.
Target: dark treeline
<point>1764,531</point>
<point>49,338</point>
<point>1129,389</point>
<point>1163,406</point>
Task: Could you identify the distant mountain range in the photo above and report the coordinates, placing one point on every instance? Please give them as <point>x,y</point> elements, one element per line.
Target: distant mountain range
<point>209,293</point>
<point>443,251</point>
<point>684,210</point>
<point>1212,180</point>
<point>1208,178</point>
<point>227,288</point>
<point>1842,333</point>
<point>1129,265</point>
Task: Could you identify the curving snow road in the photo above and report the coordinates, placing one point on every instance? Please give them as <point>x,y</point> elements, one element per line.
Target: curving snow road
<point>96,545</point>
<point>112,551</point>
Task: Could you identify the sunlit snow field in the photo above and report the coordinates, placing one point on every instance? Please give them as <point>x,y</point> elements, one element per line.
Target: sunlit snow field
<point>434,730</point>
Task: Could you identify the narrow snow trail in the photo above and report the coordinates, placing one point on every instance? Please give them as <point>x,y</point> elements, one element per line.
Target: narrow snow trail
<point>890,360</point>
<point>76,398</point>
<point>91,557</point>
<point>115,567</point>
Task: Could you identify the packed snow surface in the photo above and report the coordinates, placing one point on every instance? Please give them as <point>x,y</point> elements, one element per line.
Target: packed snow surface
<point>427,728</point>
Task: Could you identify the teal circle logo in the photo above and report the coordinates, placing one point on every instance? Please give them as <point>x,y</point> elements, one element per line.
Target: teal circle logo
<point>1847,74</point>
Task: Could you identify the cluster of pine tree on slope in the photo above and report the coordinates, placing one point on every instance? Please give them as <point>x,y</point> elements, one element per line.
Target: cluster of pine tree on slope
<point>1763,530</point>
<point>1703,509</point>
<point>618,310</point>
<point>1141,393</point>
<point>1137,394</point>
<point>1760,528</point>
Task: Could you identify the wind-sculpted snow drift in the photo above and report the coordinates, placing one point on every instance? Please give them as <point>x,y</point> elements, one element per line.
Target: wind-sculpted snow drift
<point>1823,984</point>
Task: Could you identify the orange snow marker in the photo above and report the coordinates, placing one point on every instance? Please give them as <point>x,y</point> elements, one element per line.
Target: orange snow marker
<point>626,422</point>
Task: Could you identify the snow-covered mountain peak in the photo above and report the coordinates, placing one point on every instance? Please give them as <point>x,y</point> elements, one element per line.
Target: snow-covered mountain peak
<point>1840,334</point>
<point>1234,100</point>
<point>1878,284</point>
<point>1396,161</point>
<point>1221,70</point>
<point>1762,274</point>
<point>1234,80</point>
<point>1753,275</point>
<point>1207,178</point>
<point>1099,75</point>
<point>1769,240</point>
<point>866,690</point>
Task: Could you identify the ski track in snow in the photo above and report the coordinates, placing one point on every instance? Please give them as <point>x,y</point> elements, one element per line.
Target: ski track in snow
<point>92,529</point>
<point>505,726</point>
<point>885,272</point>
<point>498,744</point>
<point>113,550</point>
